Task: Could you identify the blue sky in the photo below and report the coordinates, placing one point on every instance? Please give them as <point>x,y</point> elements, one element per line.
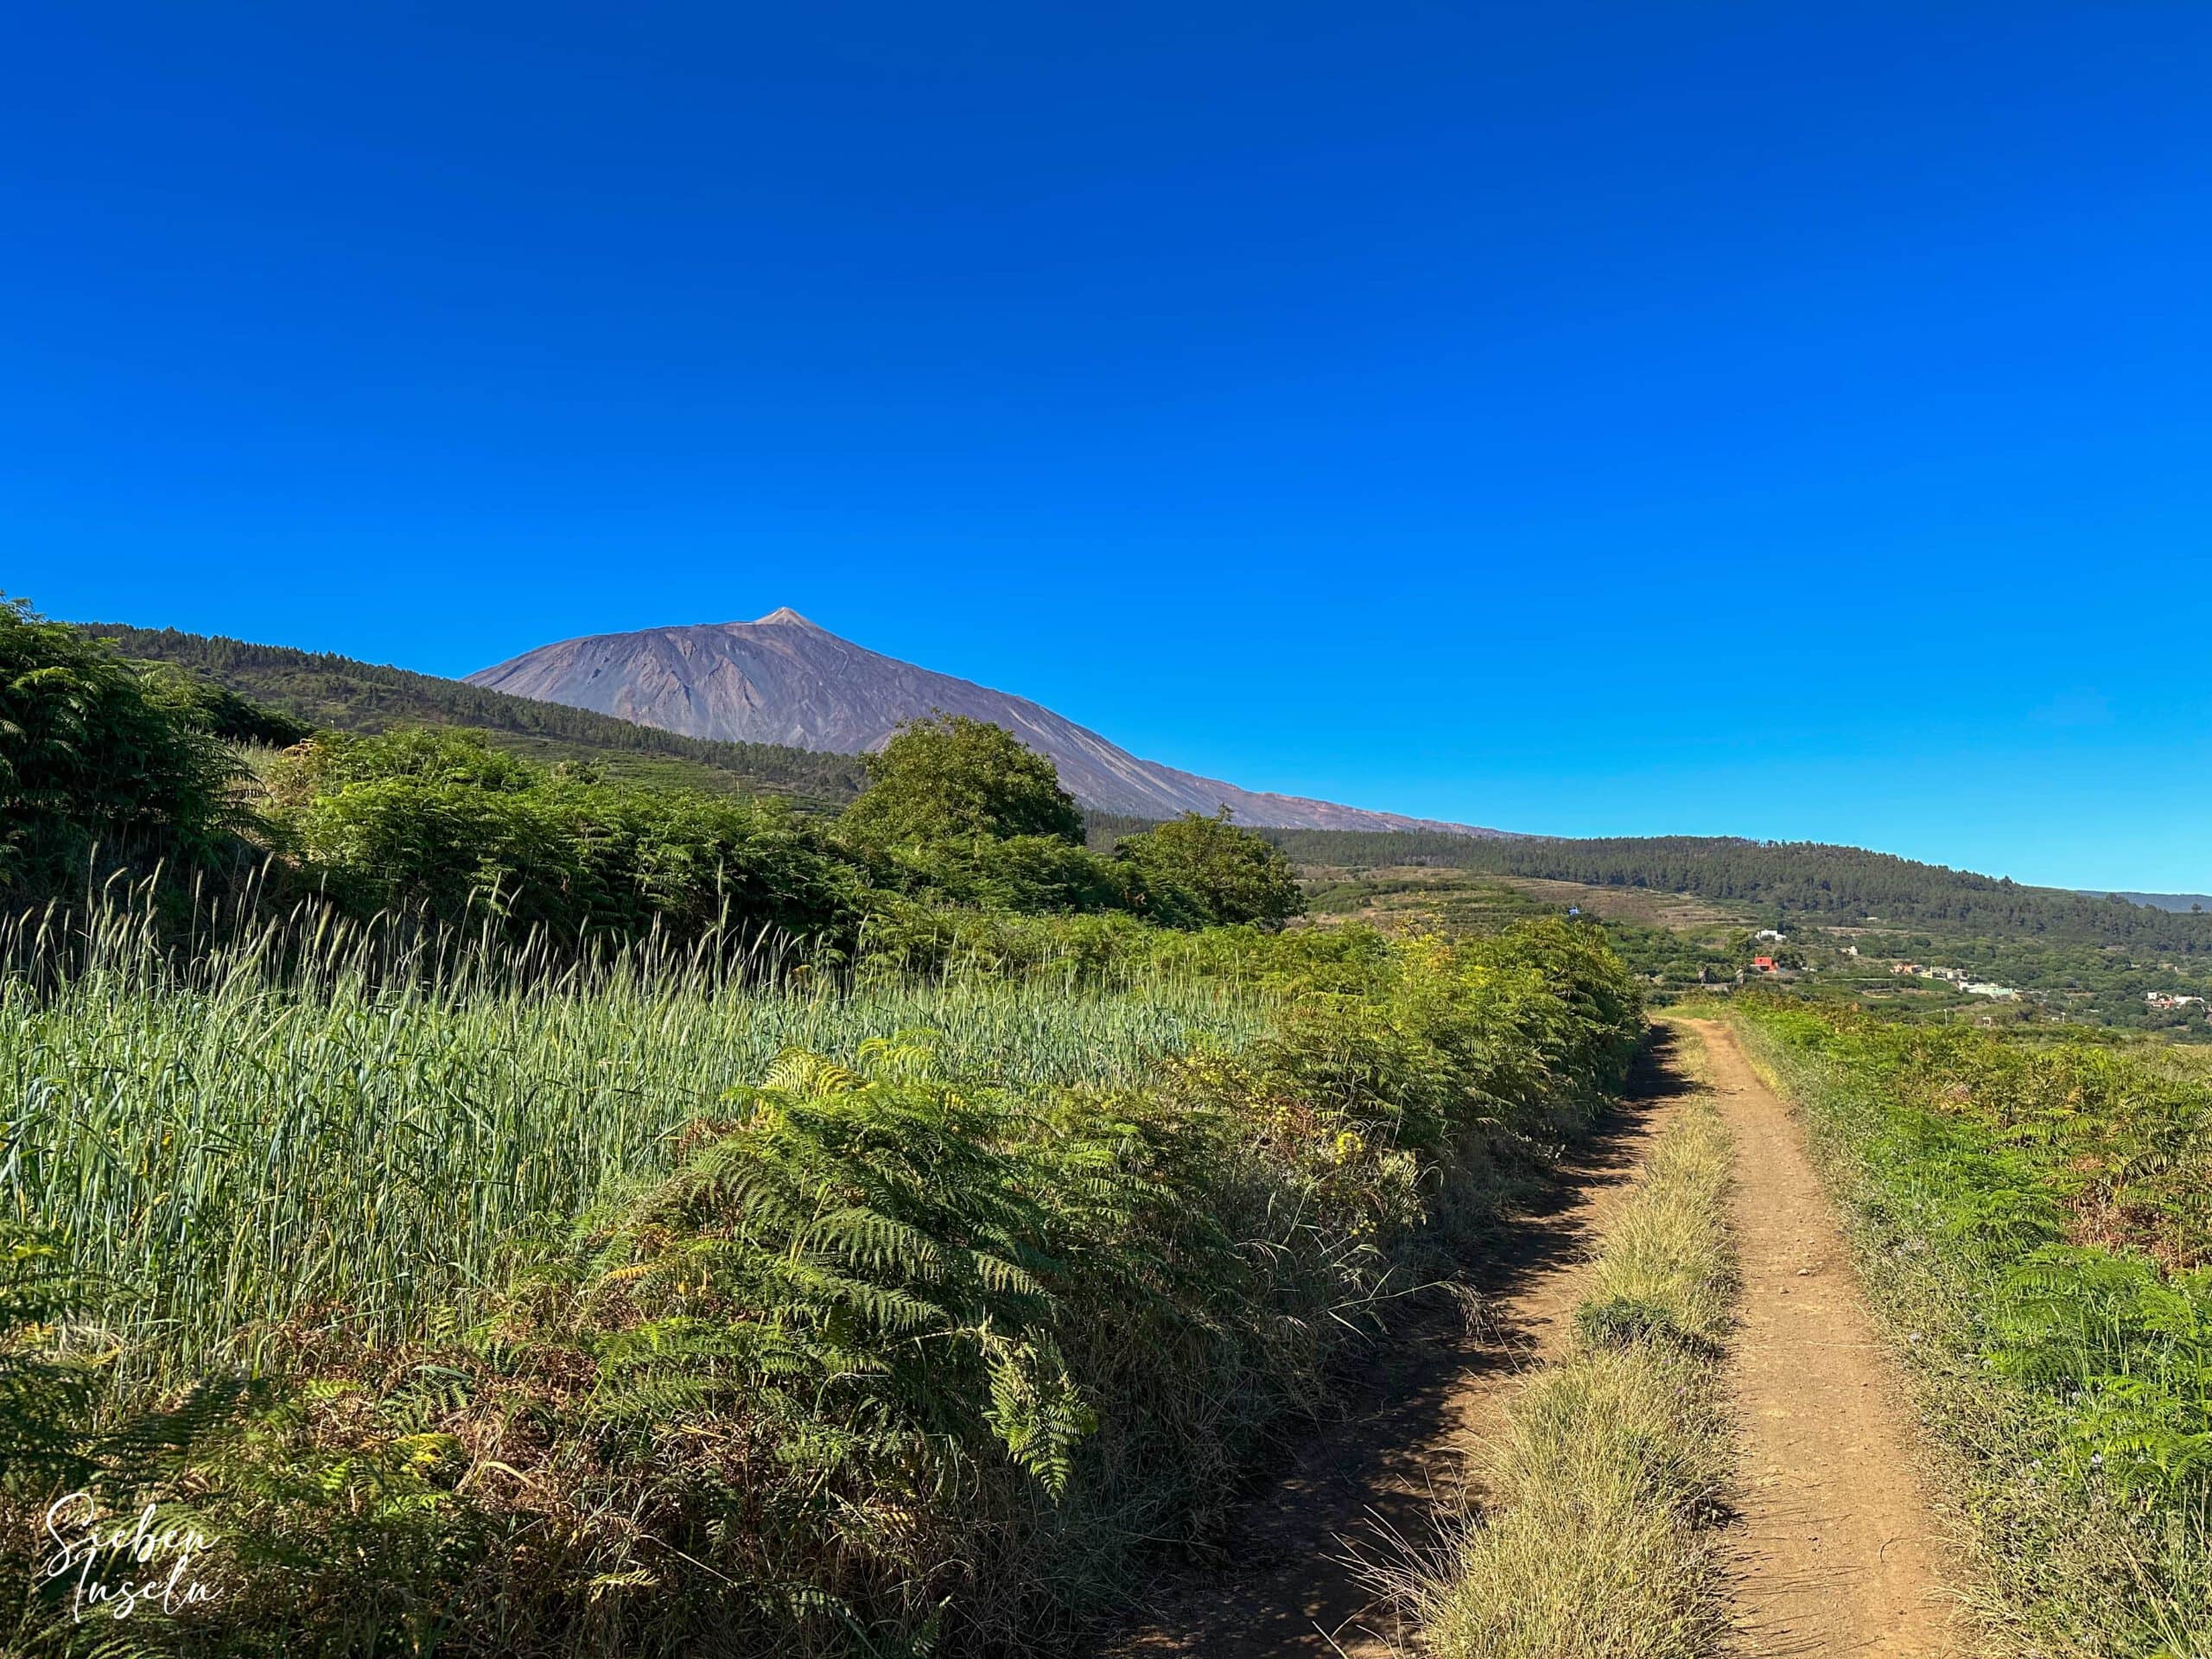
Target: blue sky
<point>1583,418</point>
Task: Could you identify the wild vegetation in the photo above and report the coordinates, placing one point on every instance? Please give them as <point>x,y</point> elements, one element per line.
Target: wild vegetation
<point>419,1110</point>
<point>2032,1220</point>
<point>1600,1499</point>
<point>97,759</point>
<point>1693,915</point>
<point>110,767</point>
<point>508,1212</point>
<point>1785,880</point>
<point>911,1336</point>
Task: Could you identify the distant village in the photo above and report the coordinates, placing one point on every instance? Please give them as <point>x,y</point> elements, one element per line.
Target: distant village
<point>1959,977</point>
<point>1781,967</point>
<point>2164,1001</point>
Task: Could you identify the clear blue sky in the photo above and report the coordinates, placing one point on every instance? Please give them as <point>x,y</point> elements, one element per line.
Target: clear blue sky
<point>1646,417</point>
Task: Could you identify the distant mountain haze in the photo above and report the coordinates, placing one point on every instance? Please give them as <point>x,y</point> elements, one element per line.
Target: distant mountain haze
<point>2175,901</point>
<point>783,679</point>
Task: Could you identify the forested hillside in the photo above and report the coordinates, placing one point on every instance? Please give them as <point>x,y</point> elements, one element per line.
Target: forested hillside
<point>347,695</point>
<point>1843,885</point>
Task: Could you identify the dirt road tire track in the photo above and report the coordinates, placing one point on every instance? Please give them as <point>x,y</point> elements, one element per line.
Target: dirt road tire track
<point>1835,1553</point>
<point>1838,1556</point>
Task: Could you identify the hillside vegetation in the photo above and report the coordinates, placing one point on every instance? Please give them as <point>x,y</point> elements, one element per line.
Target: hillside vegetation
<point>1784,878</point>
<point>1694,913</point>
<point>342,694</point>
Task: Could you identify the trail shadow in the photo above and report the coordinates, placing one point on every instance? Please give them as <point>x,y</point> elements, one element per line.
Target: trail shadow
<point>1376,1477</point>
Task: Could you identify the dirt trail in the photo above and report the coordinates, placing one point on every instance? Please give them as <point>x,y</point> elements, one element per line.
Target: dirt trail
<point>1364,1486</point>
<point>1837,1554</point>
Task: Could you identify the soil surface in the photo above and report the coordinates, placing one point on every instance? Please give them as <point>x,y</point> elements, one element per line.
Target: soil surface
<point>1371,1486</point>
<point>1836,1554</point>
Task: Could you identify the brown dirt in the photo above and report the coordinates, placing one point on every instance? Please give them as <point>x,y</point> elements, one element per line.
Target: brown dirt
<point>1289,1582</point>
<point>1837,1554</point>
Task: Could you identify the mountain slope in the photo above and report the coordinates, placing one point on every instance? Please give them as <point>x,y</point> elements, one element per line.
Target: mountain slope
<point>355,696</point>
<point>785,680</point>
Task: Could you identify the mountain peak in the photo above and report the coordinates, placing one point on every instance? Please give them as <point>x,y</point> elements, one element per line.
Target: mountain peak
<point>803,687</point>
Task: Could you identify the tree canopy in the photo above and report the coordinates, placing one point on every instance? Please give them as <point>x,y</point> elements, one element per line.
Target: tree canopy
<point>1210,866</point>
<point>954,778</point>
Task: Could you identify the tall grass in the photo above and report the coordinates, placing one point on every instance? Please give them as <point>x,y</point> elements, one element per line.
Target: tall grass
<point>877,1343</point>
<point>310,1124</point>
<point>1596,1540</point>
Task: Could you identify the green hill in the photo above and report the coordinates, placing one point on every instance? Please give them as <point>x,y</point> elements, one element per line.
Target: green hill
<point>354,697</point>
<point>1809,879</point>
<point>1848,915</point>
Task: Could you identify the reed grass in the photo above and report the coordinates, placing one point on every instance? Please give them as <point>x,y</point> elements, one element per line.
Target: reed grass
<point>307,1124</point>
<point>908,1344</point>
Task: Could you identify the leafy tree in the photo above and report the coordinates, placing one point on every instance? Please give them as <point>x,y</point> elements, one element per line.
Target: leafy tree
<point>954,780</point>
<point>92,752</point>
<point>1227,874</point>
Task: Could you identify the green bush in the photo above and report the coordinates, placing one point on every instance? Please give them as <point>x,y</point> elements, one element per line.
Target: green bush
<point>955,779</point>
<point>440,822</point>
<point>93,754</point>
<point>223,713</point>
<point>1025,874</point>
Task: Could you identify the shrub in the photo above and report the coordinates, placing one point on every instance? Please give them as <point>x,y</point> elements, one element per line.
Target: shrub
<point>896,1358</point>
<point>222,712</point>
<point>440,822</point>
<point>1027,875</point>
<point>93,753</point>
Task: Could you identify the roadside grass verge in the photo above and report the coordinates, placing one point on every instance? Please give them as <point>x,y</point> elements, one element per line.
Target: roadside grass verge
<point>2028,1219</point>
<point>1601,1497</point>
